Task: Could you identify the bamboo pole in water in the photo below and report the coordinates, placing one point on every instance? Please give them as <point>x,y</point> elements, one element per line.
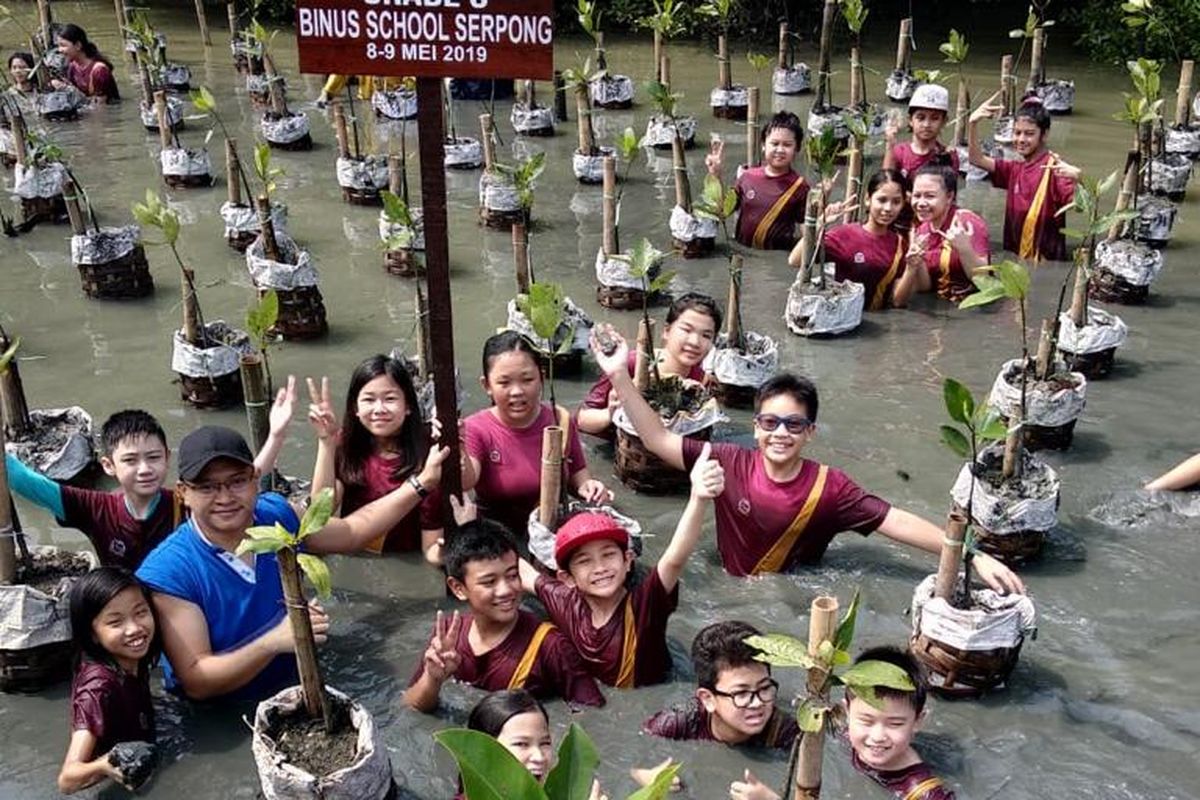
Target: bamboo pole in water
<point>520,243</point>
<point>823,93</point>
<point>733,317</point>
<point>164,120</point>
<point>659,52</point>
<point>724,73</point>
<point>20,152</point>
<point>1007,84</point>
<point>551,483</point>
<point>1037,57</point>
<point>191,308</point>
<point>583,110</point>
<point>821,626</point>
<point>339,129</point>
<point>560,96</point>
<point>1079,294</point>
<point>610,242</point>
<point>44,21</point>
<point>8,536</point>
<point>1183,97</point>
<point>752,130</point>
<point>232,173</point>
<point>231,13</point>
<point>202,20</point>
<point>854,174</point>
<point>274,86</point>
<point>489,144</point>
<point>641,368</point>
<point>1128,190</point>
<point>781,61</point>
<point>122,20</point>
<point>962,107</point>
<point>683,188</point>
<point>270,242</point>
<point>74,211</point>
<point>257,398</point>
<point>856,81</point>
<point>1045,351</point>
<point>951,556</point>
<point>808,240</point>
<point>315,701</point>
<point>904,45</point>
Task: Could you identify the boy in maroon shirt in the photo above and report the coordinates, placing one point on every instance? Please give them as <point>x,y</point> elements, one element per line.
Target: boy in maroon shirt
<point>927,113</point>
<point>620,633</point>
<point>780,509</point>
<point>497,645</point>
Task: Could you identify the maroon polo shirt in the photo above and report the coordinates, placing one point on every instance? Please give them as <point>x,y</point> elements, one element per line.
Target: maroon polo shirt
<point>911,783</point>
<point>694,723</point>
<point>757,192</point>
<point>120,540</point>
<point>405,536</point>
<point>1021,179</point>
<point>112,704</point>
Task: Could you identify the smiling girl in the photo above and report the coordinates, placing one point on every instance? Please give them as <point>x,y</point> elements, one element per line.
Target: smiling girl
<point>951,242</point>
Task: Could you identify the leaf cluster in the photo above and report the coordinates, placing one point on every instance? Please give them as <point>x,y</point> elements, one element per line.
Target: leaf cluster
<point>273,538</point>
<point>1032,23</point>
<point>822,152</point>
<point>627,145</point>
<point>663,98</point>
<point>263,169</point>
<point>589,17</point>
<point>42,149</point>
<point>715,202</point>
<point>397,212</point>
<point>1008,280</point>
<point>855,13</point>
<point>721,11</point>
<point>759,61</point>
<point>261,317</point>
<point>1088,191</point>
<point>667,19</point>
<point>644,261</point>
<point>580,75</point>
<point>982,423</point>
<point>524,175</point>
<point>955,49</point>
<point>154,213</point>
<point>545,306</point>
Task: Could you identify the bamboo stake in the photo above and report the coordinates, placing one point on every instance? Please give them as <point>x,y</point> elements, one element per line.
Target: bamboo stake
<point>191,308</point>
<point>1037,54</point>
<point>1045,350</point>
<point>1008,84</point>
<point>904,45</point>
<point>854,174</point>
<point>339,128</point>
<point>14,409</point>
<point>560,96</point>
<point>44,24</point>
<point>1011,467</point>
<point>856,89</point>
<point>782,61</point>
<point>583,109</point>
<point>203,21</point>
<point>600,58</point>
<point>144,81</point>
<point>823,94</point>
<point>551,483</point>
<point>231,13</point>
<point>808,240</point>
<point>752,129</point>
<point>233,173</point>
<point>164,121</point>
<point>270,243</point>
<point>489,144</point>
<point>610,243</point>
<point>1128,191</point>
<point>1079,294</point>
<point>658,57</point>
<point>962,105</point>
<point>733,317</point>
<point>8,536</point>
<point>724,73</point>
<point>520,242</point>
<point>641,368</point>
<point>821,626</point>
<point>74,212</point>
<point>122,21</point>
<point>257,398</point>
<point>664,70</point>
<point>1183,96</point>
<point>315,701</point>
<point>683,189</point>
<point>395,174</point>
<point>951,556</point>
<point>20,151</point>
<point>274,86</point>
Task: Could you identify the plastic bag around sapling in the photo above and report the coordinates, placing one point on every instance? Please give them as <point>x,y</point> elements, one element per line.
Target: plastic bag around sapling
<point>174,113</point>
<point>258,84</point>
<point>1047,403</point>
<point>541,538</point>
<point>32,618</point>
<point>221,357</point>
<point>367,173</point>
<point>993,622</point>
<point>525,119</point>
<point>796,79</point>
<point>608,89</point>
<point>62,445</point>
<point>683,423</point>
<point>463,153</point>
<point>900,84</point>
<point>1058,96</point>
<point>590,168</point>
<point>295,269</point>
<point>184,163</point>
<point>1168,174</point>
<point>286,129</point>
<point>33,181</point>
<point>614,272</point>
<point>808,314</point>
<point>244,219</point>
<point>1135,263</point>
<point>497,192</point>
<point>819,122</point>
<point>1001,510</point>
<point>736,96</point>
<point>395,103</point>
<point>1185,141</point>
<point>751,368</point>
<point>60,101</point>
<point>688,227</point>
<point>415,235</point>
<point>177,75</point>
<point>105,245</point>
<point>575,320</point>
<point>660,132</point>
<point>1103,331</point>
<point>1156,219</point>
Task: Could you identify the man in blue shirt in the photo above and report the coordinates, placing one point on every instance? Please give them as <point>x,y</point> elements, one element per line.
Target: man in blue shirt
<point>224,628</point>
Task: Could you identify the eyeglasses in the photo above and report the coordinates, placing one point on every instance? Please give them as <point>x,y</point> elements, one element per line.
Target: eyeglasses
<point>795,423</point>
<point>743,698</point>
<point>209,489</point>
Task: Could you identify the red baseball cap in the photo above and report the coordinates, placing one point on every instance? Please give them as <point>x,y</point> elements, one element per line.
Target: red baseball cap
<point>583,528</point>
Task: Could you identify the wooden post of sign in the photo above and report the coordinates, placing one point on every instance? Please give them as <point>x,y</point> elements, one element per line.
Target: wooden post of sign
<point>431,137</point>
<point>203,20</point>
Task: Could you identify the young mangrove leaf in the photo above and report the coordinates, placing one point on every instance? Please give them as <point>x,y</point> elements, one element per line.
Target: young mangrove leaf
<point>488,770</point>
<point>876,673</point>
<point>810,715</point>
<point>781,650</point>
<point>265,539</point>
<point>954,439</point>
<point>844,635</point>
<point>627,145</point>
<point>759,61</point>
<point>960,405</point>
<point>261,317</point>
<point>395,209</point>
<point>544,307</point>
<point>955,50</point>
<point>318,513</point>
<point>572,776</point>
<point>660,787</point>
<point>317,572</point>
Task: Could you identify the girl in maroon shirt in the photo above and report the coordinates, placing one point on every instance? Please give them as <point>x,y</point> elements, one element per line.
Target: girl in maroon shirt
<point>117,642</point>
<point>381,444</point>
<point>89,71</point>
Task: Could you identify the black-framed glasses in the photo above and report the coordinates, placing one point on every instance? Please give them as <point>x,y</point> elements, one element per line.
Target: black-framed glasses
<point>236,485</point>
<point>744,697</point>
<point>795,423</point>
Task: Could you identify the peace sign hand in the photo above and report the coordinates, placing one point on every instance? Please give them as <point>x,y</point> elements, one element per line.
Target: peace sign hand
<point>989,110</point>
<point>917,247</point>
<point>321,415</point>
<point>715,158</point>
<point>442,658</point>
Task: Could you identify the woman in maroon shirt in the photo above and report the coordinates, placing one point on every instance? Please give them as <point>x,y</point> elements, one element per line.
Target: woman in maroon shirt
<point>89,71</point>
<point>950,241</point>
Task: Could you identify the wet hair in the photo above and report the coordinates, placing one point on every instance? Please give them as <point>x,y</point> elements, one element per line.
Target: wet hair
<point>129,424</point>
<point>89,596</point>
<point>899,658</point>
<point>358,443</point>
<point>23,56</point>
<point>785,120</point>
<point>886,176</point>
<point>507,342</point>
<point>493,712</point>
<point>1035,111</point>
<point>943,172</point>
<point>477,540</point>
<point>801,389</point>
<point>722,646</point>
<point>77,35</point>
<point>698,302</point>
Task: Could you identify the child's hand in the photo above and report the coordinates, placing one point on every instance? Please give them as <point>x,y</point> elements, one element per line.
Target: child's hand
<point>708,477</point>
<point>916,250</point>
<point>646,775</point>
<point>441,657</point>
<point>751,788</point>
<point>616,358</point>
<point>133,763</point>
<point>321,415</point>
<point>892,129</point>
<point>1067,171</point>
<point>284,407</point>
<point>998,576</point>
<point>715,158</point>
<point>989,110</point>
<point>593,491</point>
<point>465,510</point>
<point>431,475</point>
<point>596,793</point>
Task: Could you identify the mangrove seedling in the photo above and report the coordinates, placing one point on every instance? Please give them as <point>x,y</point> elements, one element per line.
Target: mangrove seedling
<point>1143,108</point>
<point>1086,204</point>
<point>154,213</point>
<point>644,262</point>
<point>203,101</point>
<point>721,11</point>
<point>292,562</point>
<point>578,79</point>
<point>666,22</point>
<point>524,175</point>
<point>260,319</point>
<point>545,306</point>
<point>397,212</point>
<point>855,14</point>
<point>589,19</point>
<point>955,50</point>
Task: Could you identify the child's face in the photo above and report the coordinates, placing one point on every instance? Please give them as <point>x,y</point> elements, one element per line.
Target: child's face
<point>514,382</point>
<point>598,568</point>
<point>882,737</point>
<point>125,627</point>
<point>689,338</point>
<point>1027,136</point>
<point>743,698</point>
<point>491,587</point>
<point>139,463</point>
<point>779,149</point>
<point>382,407</point>
<point>19,70</point>
<point>930,200</point>
<point>527,737</point>
<point>887,201</point>
<point>68,48</point>
<point>780,446</point>
<point>926,123</point>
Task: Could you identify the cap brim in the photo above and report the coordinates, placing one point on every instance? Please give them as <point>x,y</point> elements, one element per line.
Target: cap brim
<point>194,470</point>
<point>615,534</point>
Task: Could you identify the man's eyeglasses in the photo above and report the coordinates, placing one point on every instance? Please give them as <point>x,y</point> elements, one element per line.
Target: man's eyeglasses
<point>743,698</point>
<point>236,485</point>
<point>795,423</point>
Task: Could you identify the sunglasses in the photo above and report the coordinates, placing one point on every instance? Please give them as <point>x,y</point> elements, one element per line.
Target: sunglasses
<point>795,423</point>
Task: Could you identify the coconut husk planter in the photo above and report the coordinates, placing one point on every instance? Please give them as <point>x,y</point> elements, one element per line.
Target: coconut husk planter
<point>462,152</point>
<point>36,651</point>
<point>1168,175</point>
<point>613,92</point>
<point>112,263</point>
<point>184,168</point>
<point>966,652</point>
<point>1183,140</point>
<point>362,179</point>
<point>692,414</point>
<point>57,442</point>
<point>298,760</point>
<point>60,105</point>
<point>1124,271</point>
<point>294,279</point>
<point>739,372</point>
<point>242,226</point>
<point>1052,406</point>
<point>1155,221</point>
<point>692,236</point>
<point>1011,515</point>
<point>395,104</point>
<point>575,321</point>
<point>832,310</point>
<point>209,374</point>
<point>730,103</point>
<point>619,290</point>
<point>286,131</point>
<point>590,168</point>
<point>174,114</point>
<point>541,537</point>
<point>660,132</point>
<point>404,262</point>
<point>39,190</point>
<point>1090,350</point>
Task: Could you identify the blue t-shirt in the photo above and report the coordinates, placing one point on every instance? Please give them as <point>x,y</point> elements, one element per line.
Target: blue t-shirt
<point>237,612</point>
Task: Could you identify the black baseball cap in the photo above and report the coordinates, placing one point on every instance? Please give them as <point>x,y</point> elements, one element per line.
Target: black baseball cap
<point>200,447</point>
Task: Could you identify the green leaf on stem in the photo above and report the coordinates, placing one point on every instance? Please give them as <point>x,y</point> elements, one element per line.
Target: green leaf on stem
<point>488,770</point>
<point>317,572</point>
<point>265,539</point>
<point>960,405</point>
<point>877,673</point>
<point>954,439</point>
<point>317,514</point>
<point>572,775</point>
<point>781,650</point>
<point>660,788</point>
<point>261,317</point>
<point>810,715</point>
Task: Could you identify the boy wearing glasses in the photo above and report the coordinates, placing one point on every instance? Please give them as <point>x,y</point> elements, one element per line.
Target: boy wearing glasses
<point>780,510</point>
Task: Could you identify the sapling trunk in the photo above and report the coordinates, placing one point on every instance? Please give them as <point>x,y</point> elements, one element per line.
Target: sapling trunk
<point>601,60</point>
<point>520,243</point>
<point>724,74</point>
<point>904,45</point>
<point>489,144</point>
<point>951,556</point>
<point>1008,84</point>
<point>1128,193</point>
<point>808,240</point>
<point>1037,69</point>
<point>339,127</point>
<point>644,360</point>
<point>854,175</point>
<point>583,109</point>
<point>1183,97</point>
<point>733,318</point>
<point>74,211</point>
<point>1013,447</point>
<point>233,171</point>
<point>752,129</point>
<point>824,95</point>
<point>822,624</point>
<point>1079,294</point>
<point>316,703</point>
<point>8,536</point>
<point>191,309</point>
<point>270,243</point>
<point>610,241</point>
<point>275,92</point>
<point>13,407</point>
<point>1045,351</point>
<point>202,20</point>
<point>165,136</point>
<point>781,61</point>
<point>552,476</point>
<point>683,188</point>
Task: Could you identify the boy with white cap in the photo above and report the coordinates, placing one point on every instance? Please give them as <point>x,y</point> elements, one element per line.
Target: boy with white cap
<point>927,113</point>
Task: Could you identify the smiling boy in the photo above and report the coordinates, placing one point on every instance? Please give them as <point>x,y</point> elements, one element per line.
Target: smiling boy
<point>927,112</point>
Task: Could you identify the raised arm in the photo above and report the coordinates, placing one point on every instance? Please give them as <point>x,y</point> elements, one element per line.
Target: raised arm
<point>34,486</point>
<point>1182,476</point>
<point>708,481</point>
<point>280,419</point>
<point>989,110</point>
<point>324,422</point>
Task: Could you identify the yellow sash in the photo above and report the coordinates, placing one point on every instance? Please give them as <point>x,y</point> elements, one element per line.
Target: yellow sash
<point>947,254</point>
<point>886,281</point>
<point>764,225</point>
<point>628,648</point>
<point>525,665</point>
<point>927,785</point>
<point>773,560</point>
<point>1029,239</point>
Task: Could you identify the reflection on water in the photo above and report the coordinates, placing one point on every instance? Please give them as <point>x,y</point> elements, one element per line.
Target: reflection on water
<point>1103,704</point>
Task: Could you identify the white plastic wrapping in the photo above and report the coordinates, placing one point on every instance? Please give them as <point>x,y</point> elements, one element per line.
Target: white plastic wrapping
<point>736,368</point>
<point>8,144</point>
<point>388,229</point>
<point>174,113</point>
<point>900,85</point>
<point>795,80</point>
<point>661,133</point>
<point>614,271</point>
<point>1168,174</point>
<point>1134,262</point>
<point>1185,141</point>
<point>368,778</point>
<point>1058,96</point>
<point>176,75</point>
<point>30,618</point>
<point>1196,106</point>
<point>369,172</point>
<point>185,163</point>
<point>60,101</point>
<point>610,89</point>
<point>830,118</point>
<point>575,317</point>
<point>498,193</point>
<point>737,96</point>
<point>688,227</point>
<point>295,271</point>
<point>395,103</point>
<point>32,181</point>
<point>541,538</point>
<point>526,119</point>
<point>285,130</point>
<point>1156,219</point>
<point>993,622</point>
<point>244,219</point>
<point>965,166</point>
<point>810,314</point>
<point>1047,406</point>
<point>684,424</point>
<point>590,168</point>
<point>463,153</point>
<point>1002,130</point>
<point>222,358</point>
<point>68,456</point>
<point>258,84</point>
<point>1003,512</point>
<point>105,245</point>
<point>1103,331</point>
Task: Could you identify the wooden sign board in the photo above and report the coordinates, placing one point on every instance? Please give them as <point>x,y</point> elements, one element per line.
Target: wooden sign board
<point>427,38</point>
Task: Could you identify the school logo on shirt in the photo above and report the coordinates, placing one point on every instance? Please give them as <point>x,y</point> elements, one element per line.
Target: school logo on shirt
<point>117,548</point>
<point>743,506</point>
<point>751,194</point>
<point>860,257</point>
<point>494,456</point>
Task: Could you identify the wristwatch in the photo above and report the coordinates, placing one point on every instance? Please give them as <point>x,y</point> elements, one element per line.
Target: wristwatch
<point>415,483</point>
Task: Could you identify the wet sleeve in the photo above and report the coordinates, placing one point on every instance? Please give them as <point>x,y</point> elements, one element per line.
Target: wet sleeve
<point>34,486</point>
<point>568,674</point>
<point>857,510</point>
<point>666,723</point>
<point>556,597</point>
<point>597,396</point>
<point>90,707</point>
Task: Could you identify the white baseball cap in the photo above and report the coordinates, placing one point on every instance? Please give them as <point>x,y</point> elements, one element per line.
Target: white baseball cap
<point>932,96</point>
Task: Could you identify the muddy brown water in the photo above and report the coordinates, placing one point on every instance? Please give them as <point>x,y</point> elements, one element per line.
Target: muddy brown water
<point>1103,704</point>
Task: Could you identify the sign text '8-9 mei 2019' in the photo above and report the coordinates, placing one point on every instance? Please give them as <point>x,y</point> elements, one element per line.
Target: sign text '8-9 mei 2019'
<point>431,38</point>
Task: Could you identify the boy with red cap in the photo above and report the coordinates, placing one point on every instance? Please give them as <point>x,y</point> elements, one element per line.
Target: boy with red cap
<point>621,633</point>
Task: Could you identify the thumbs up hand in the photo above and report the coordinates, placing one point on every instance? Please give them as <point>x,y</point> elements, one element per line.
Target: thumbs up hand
<point>707,476</point>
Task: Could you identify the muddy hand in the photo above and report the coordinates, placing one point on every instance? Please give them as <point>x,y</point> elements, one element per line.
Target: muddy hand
<point>610,359</point>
